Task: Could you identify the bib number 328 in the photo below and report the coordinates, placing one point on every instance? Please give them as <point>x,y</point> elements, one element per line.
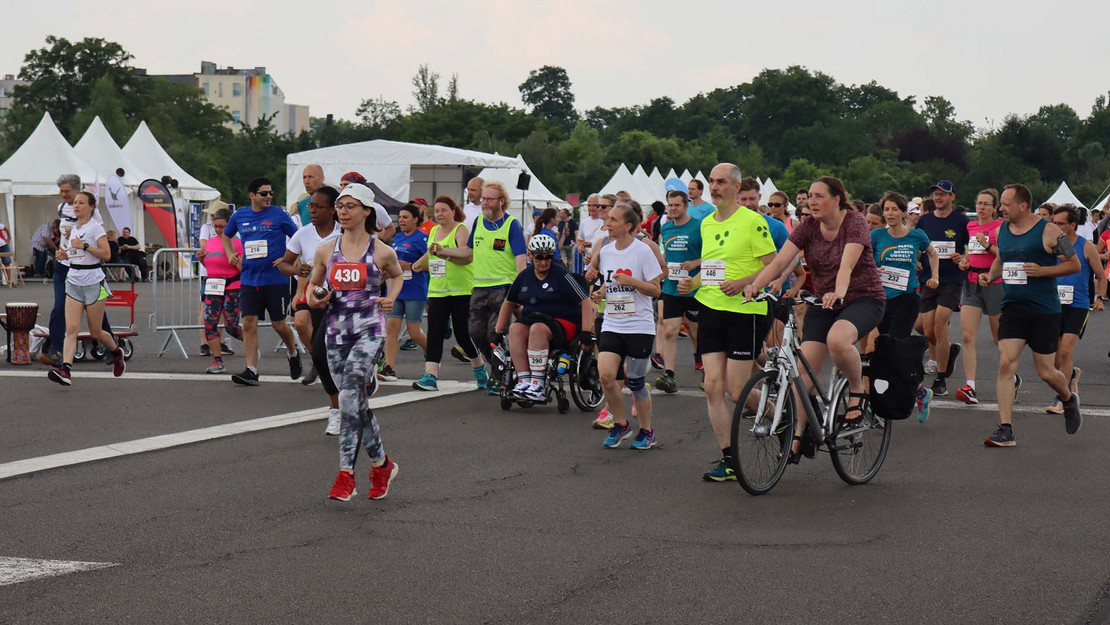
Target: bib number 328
<point>348,276</point>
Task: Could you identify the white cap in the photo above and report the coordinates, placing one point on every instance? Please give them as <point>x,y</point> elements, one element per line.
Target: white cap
<point>913,209</point>
<point>365,197</point>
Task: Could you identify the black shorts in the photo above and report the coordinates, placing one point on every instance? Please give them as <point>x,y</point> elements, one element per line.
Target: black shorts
<point>258,301</point>
<point>1041,331</point>
<point>947,295</point>
<point>678,306</point>
<point>864,313</point>
<point>739,335</point>
<point>899,315</point>
<point>1073,320</point>
<point>626,345</point>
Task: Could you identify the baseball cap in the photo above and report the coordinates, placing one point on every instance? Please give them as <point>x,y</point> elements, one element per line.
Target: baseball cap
<point>420,202</point>
<point>913,209</point>
<point>353,176</point>
<point>944,185</point>
<point>360,192</point>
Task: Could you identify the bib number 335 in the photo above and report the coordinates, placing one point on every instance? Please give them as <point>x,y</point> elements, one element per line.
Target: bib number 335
<point>348,276</point>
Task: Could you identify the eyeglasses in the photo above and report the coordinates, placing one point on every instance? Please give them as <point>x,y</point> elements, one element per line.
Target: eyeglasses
<point>265,193</point>
<point>347,206</point>
<point>543,256</point>
<point>605,206</point>
<point>491,199</point>
<point>775,204</point>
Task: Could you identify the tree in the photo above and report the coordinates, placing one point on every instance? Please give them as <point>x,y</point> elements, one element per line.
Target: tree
<point>425,88</point>
<point>453,88</point>
<point>379,113</point>
<point>547,92</point>
<point>798,175</point>
<point>105,102</point>
<point>940,115</point>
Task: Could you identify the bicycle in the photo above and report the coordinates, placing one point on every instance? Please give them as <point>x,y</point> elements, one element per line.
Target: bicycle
<point>762,437</point>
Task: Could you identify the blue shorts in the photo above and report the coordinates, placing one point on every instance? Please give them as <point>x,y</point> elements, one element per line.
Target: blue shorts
<point>411,309</point>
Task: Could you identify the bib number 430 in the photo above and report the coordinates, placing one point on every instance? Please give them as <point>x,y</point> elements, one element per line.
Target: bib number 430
<point>348,276</point>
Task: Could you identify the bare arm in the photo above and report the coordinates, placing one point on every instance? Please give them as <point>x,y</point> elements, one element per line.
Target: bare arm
<point>504,315</point>
<point>1100,275</point>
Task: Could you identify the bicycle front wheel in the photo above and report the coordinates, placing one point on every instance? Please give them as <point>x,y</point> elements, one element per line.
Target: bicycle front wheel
<point>760,448</point>
<point>858,451</point>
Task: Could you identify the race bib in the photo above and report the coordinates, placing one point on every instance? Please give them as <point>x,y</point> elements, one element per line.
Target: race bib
<point>407,273</point>
<point>894,277</point>
<point>620,304</point>
<point>676,272</point>
<point>346,276</point>
<point>712,272</point>
<point>1014,273</point>
<point>256,249</point>
<point>437,267</point>
<point>975,247</point>
<point>945,249</point>
<point>1066,293</point>
<point>215,286</point>
<point>74,252</point>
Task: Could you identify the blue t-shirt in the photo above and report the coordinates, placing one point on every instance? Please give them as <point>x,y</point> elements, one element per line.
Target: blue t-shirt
<point>409,248</point>
<point>1078,282</point>
<point>302,211</point>
<point>779,233</point>
<point>701,211</point>
<point>271,225</point>
<point>680,244</point>
<point>558,295</point>
<point>554,235</point>
<point>900,253</point>
<point>950,229</point>
<point>516,234</point>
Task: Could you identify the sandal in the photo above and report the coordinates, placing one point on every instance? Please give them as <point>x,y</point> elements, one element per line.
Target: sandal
<point>858,408</point>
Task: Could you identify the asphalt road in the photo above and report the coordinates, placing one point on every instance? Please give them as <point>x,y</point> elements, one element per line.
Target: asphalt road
<point>522,516</point>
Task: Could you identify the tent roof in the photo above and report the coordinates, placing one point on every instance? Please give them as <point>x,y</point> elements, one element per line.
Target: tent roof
<point>98,148</point>
<point>621,181</point>
<point>768,188</point>
<point>537,194</point>
<point>382,152</point>
<point>45,155</point>
<point>686,176</point>
<point>1064,195</point>
<point>657,187</point>
<point>143,148</point>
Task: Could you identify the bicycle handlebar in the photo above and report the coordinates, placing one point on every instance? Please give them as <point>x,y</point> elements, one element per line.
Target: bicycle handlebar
<point>804,297</point>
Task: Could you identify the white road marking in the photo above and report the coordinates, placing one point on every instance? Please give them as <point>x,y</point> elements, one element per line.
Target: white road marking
<point>16,570</point>
<point>168,377</point>
<point>166,441</point>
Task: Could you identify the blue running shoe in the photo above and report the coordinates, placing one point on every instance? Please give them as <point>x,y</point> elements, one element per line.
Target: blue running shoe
<point>721,471</point>
<point>426,383</point>
<point>493,387</point>
<point>645,439</point>
<point>480,377</point>
<point>617,434</point>
<point>921,408</point>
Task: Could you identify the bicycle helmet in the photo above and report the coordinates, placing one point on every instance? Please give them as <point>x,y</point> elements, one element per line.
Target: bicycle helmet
<point>541,244</point>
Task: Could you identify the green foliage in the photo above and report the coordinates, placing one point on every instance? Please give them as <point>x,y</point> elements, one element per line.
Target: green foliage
<point>547,92</point>
<point>104,102</point>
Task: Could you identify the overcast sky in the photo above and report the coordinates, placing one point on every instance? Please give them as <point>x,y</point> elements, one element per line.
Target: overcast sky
<point>989,58</point>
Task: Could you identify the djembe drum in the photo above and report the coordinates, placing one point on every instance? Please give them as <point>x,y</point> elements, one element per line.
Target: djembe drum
<point>21,320</point>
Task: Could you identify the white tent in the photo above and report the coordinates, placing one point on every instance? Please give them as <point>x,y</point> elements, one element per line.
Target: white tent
<point>704,180</point>
<point>523,202</point>
<point>686,176</point>
<point>28,182</point>
<point>767,188</point>
<point>657,188</point>
<point>641,186</point>
<point>98,149</point>
<point>402,170</point>
<point>620,181</point>
<point>143,148</point>
<point>1064,195</point>
<point>671,174</point>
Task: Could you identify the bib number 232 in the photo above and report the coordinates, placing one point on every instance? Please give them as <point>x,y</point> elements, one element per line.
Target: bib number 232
<point>348,276</point>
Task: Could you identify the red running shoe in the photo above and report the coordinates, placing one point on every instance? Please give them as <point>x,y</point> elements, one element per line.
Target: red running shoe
<point>344,487</point>
<point>381,477</point>
<point>118,364</point>
<point>966,394</point>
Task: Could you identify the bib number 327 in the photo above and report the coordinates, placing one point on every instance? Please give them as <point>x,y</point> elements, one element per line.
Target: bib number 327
<point>348,276</point>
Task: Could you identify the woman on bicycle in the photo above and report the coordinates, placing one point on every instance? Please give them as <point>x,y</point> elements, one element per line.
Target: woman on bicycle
<point>411,245</point>
<point>555,306</point>
<point>837,245</point>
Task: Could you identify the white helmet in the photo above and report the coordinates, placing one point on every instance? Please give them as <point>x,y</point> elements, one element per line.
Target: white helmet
<point>541,244</point>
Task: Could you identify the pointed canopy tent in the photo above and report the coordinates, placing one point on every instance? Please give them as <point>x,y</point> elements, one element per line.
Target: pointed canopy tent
<point>523,202</point>
<point>143,148</point>
<point>671,174</point>
<point>686,176</point>
<point>641,186</point>
<point>1064,195</point>
<point>620,181</point>
<point>704,180</point>
<point>767,188</point>
<point>28,182</point>
<point>391,165</point>
<point>657,187</point>
<point>98,149</point>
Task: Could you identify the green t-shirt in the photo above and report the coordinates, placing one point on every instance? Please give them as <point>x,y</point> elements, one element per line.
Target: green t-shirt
<point>739,242</point>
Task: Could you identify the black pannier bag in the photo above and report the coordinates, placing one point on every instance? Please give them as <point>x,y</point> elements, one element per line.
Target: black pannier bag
<point>896,371</point>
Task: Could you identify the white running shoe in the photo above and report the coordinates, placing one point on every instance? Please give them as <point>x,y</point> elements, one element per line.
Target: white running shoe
<point>534,392</point>
<point>520,389</point>
<point>931,367</point>
<point>334,420</point>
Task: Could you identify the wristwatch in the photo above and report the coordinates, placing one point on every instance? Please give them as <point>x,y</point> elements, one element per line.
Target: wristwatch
<point>85,246</point>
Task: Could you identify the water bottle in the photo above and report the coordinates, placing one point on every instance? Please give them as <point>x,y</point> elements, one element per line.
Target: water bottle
<point>564,363</point>
<point>500,357</point>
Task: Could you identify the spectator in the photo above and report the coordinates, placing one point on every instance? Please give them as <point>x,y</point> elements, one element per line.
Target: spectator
<point>43,244</point>
<point>5,244</point>
<point>568,231</point>
<point>131,252</point>
<point>113,245</point>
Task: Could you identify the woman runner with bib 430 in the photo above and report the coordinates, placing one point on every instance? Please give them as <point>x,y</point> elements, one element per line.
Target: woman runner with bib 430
<point>353,267</point>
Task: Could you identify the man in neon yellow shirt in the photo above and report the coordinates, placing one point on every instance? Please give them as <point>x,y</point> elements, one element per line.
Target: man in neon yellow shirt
<point>499,255</point>
<point>735,245</point>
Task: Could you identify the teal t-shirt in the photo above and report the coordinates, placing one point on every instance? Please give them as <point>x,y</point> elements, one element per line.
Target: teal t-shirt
<point>896,259</point>
<point>701,211</point>
<point>302,211</point>
<point>680,244</point>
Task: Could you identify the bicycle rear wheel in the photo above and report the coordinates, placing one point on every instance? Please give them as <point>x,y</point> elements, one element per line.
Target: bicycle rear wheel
<point>760,450</point>
<point>858,451</point>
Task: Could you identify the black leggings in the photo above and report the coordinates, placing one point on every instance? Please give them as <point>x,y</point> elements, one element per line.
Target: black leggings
<point>320,349</point>
<point>899,315</point>
<point>457,307</point>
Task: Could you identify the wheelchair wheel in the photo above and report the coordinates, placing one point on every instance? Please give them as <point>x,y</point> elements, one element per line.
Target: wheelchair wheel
<point>585,383</point>
<point>79,354</point>
<point>128,348</point>
<point>98,352</point>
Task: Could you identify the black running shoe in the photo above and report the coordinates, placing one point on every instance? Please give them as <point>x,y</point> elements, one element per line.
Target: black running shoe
<point>458,354</point>
<point>1072,419</point>
<point>246,378</point>
<point>225,350</point>
<point>1002,437</point>
<point>205,350</point>
<point>940,387</point>
<point>295,370</point>
<point>953,353</point>
<point>310,379</point>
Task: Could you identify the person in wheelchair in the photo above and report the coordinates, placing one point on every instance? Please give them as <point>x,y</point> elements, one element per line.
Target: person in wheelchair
<point>554,310</point>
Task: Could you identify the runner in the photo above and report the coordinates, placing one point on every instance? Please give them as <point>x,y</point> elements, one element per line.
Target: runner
<point>982,247</point>
<point>263,228</point>
<point>947,229</point>
<point>207,233</point>
<point>411,245</point>
<point>779,204</point>
<point>297,261</point>
<point>84,250</point>
<point>736,244</point>
<point>1076,299</point>
<point>449,286</point>
<point>1028,250</point>
<point>354,332</point>
<point>681,242</point>
<point>837,245</point>
<point>554,308</point>
<point>699,208</point>
<point>631,273</point>
<point>499,255</point>
<point>896,249</point>
<point>221,290</point>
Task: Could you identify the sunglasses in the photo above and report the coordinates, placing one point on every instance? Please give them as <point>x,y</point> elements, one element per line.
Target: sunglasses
<point>775,204</point>
<point>543,256</point>
<point>265,193</point>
